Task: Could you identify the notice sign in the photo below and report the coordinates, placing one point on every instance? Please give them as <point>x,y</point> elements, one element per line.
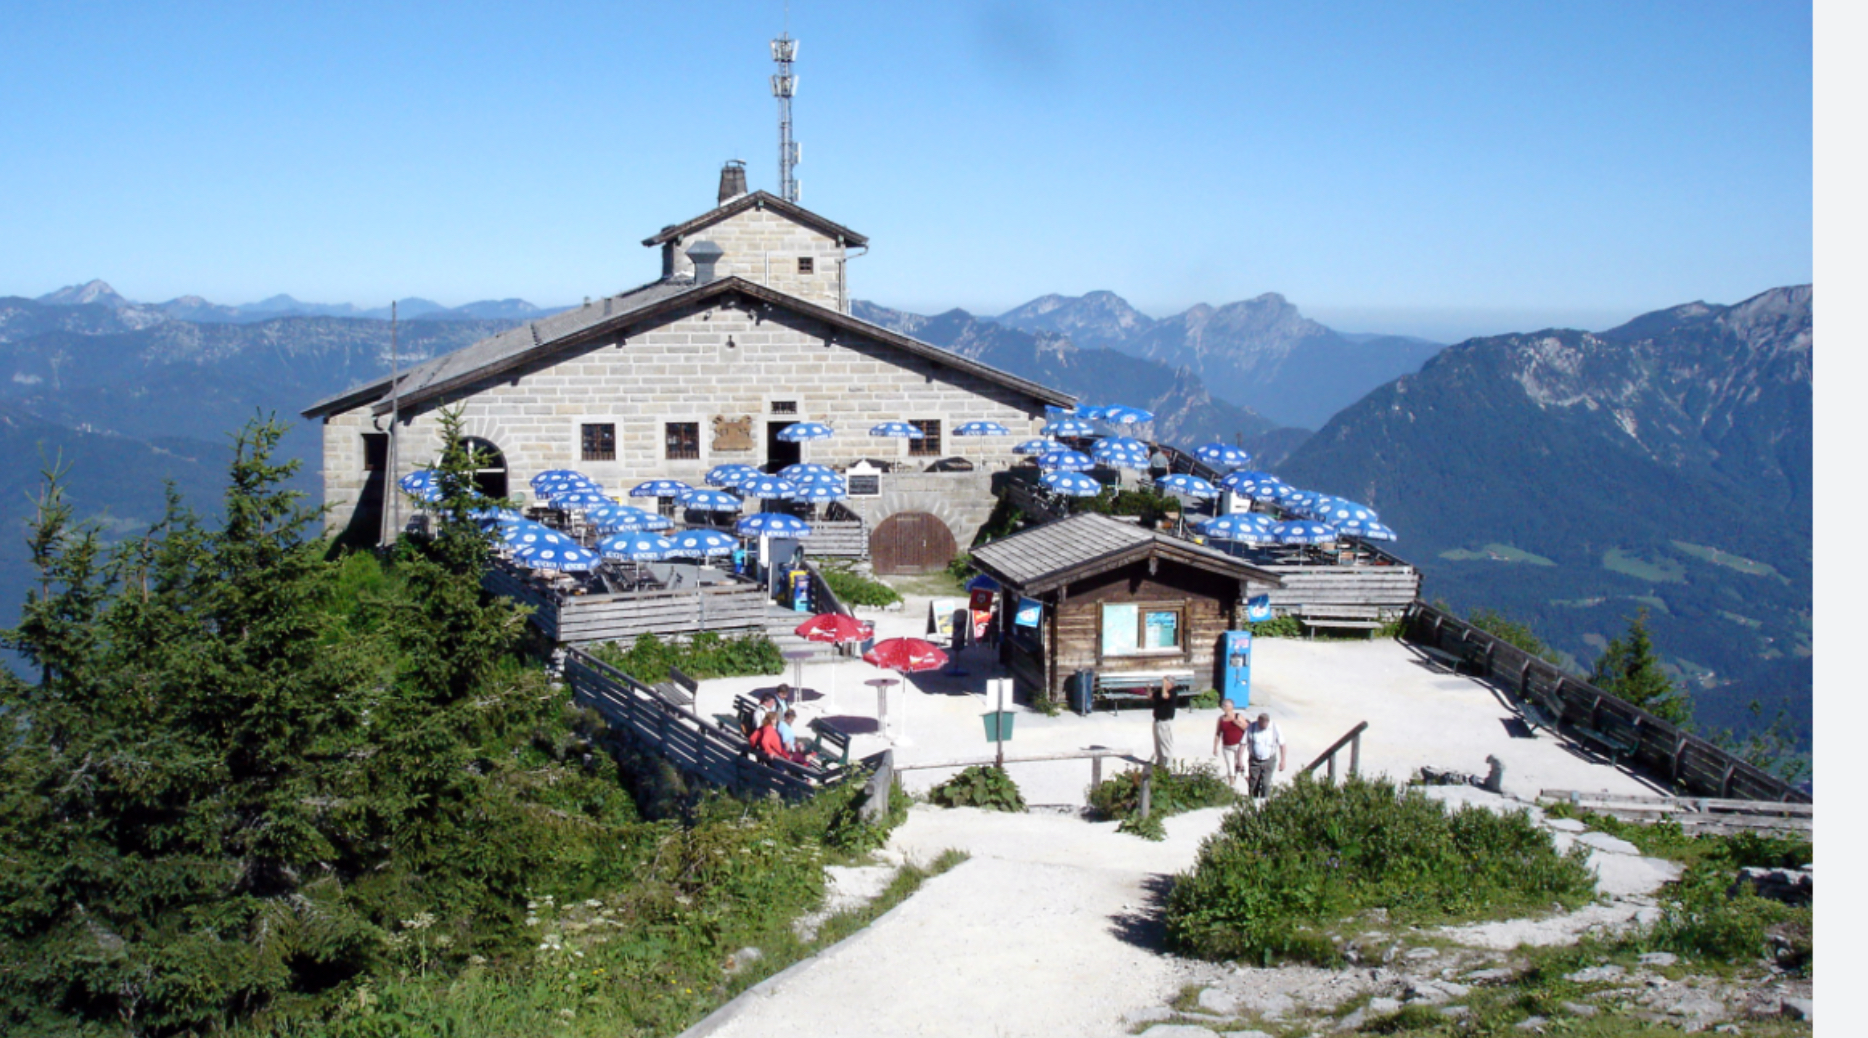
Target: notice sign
<point>980,600</point>
<point>1030,612</point>
<point>940,616</point>
<point>1258,608</point>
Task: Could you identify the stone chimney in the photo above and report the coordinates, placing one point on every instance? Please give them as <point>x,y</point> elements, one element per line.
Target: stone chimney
<point>732,180</point>
<point>704,255</point>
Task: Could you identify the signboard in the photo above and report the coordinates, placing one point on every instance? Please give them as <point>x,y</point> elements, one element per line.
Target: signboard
<point>1030,612</point>
<point>1163,629</point>
<point>801,590</point>
<point>864,485</point>
<point>732,434</point>
<point>1258,608</point>
<point>1121,629</point>
<point>940,615</point>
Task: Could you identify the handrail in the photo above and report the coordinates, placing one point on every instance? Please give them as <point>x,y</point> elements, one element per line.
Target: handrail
<point>1353,738</point>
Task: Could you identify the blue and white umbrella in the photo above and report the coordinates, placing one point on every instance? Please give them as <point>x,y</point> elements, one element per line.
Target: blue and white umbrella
<point>1186,483</point>
<point>689,544</point>
<point>1243,527</point>
<point>1037,446</point>
<point>1341,510</point>
<point>1364,529</point>
<point>805,471</point>
<point>421,484</point>
<point>730,475</point>
<point>626,519</point>
<point>772,524</point>
<point>819,491</point>
<point>982,582</point>
<point>768,488</point>
<point>636,547</point>
<point>660,488</point>
<point>1116,458</point>
<point>981,429</point>
<point>1298,531</point>
<point>1088,412</point>
<point>555,476</point>
<point>709,501</point>
<point>1069,427</point>
<point>1071,484</point>
<point>1123,443</point>
<point>1122,415</point>
<point>526,534</point>
<point>1298,501</point>
<point>555,487</point>
<point>1065,460</point>
<point>490,516</point>
<point>581,499</point>
<point>569,558</point>
<point>899,430</point>
<point>1259,486</point>
<point>1222,456</point>
<point>798,432</point>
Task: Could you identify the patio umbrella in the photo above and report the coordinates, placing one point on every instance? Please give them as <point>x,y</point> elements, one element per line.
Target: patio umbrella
<point>982,582</point>
<point>569,558</point>
<point>1243,527</point>
<point>527,533</point>
<point>798,432</point>
<point>1069,427</point>
<point>730,475</point>
<point>1364,529</point>
<point>420,485</point>
<point>1065,460</point>
<point>565,486</point>
<point>581,499</point>
<point>1071,484</point>
<point>1259,486</point>
<point>981,429</point>
<point>626,519</point>
<point>1088,412</point>
<point>636,547</point>
<point>899,430</point>
<point>806,470</point>
<point>835,629</point>
<point>767,488</point>
<point>905,656</point>
<point>819,491</point>
<point>709,501</point>
<point>1298,531</point>
<point>1122,415</point>
<point>1296,500</point>
<point>491,516</point>
<point>772,524</point>
<point>660,488</point>
<point>1037,446</point>
<point>1187,483</point>
<point>1120,452</point>
<point>1340,510</point>
<point>1222,456</point>
<point>699,544</point>
<point>555,475</point>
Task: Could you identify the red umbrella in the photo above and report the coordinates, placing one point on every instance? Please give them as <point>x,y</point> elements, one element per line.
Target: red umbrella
<point>906,655</point>
<point>835,628</point>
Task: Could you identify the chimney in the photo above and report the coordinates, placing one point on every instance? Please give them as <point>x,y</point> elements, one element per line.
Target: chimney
<point>704,254</point>
<point>732,180</point>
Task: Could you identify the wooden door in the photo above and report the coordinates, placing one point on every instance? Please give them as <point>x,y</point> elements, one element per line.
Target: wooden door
<point>911,542</point>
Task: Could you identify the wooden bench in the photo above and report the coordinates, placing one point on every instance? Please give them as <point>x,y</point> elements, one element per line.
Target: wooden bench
<point>678,690</point>
<point>1351,618</point>
<point>1452,661</point>
<point>744,719</point>
<point>1137,686</point>
<point>831,745</point>
<point>1537,714</point>
<point>1614,745</point>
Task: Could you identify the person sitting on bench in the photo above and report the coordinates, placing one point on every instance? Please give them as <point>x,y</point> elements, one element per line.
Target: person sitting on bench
<point>766,742</point>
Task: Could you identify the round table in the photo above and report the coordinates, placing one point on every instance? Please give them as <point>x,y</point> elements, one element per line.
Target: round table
<point>881,685</point>
<point>797,658</point>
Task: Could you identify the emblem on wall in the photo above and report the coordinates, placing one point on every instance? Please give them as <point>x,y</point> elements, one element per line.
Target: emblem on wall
<point>732,434</point>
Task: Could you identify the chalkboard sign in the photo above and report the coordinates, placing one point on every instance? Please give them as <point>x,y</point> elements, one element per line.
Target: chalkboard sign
<point>864,486</point>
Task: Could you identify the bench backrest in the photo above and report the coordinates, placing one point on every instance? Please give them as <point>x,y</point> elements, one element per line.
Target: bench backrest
<point>833,739</point>
<point>689,684</point>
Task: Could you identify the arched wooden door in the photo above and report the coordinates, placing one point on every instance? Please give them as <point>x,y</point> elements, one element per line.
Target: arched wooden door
<point>911,542</point>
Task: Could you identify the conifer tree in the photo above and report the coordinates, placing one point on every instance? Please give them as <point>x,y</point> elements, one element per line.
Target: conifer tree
<point>1629,669</point>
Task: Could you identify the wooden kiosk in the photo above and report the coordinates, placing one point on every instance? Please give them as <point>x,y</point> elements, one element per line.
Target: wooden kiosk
<point>1133,605</point>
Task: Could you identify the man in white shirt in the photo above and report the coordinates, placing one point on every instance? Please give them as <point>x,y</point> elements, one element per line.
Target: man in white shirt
<point>1265,744</point>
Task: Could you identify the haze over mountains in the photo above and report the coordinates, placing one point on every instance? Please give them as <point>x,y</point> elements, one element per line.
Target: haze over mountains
<point>197,309</point>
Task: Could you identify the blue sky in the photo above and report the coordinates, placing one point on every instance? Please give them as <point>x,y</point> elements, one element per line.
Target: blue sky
<point>1438,169</point>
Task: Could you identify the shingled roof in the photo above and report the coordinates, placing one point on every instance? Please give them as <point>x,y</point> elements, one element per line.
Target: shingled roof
<point>1049,556</point>
<point>760,200</point>
<point>562,331</point>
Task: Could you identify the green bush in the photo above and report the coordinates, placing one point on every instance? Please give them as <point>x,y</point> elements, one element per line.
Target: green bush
<point>961,568</point>
<point>1271,881</point>
<point>1205,699</point>
<point>1187,787</point>
<point>705,655</point>
<point>858,590</point>
<point>979,786</point>
<point>1277,627</point>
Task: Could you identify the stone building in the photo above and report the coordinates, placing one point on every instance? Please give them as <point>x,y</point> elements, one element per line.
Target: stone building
<point>747,330</point>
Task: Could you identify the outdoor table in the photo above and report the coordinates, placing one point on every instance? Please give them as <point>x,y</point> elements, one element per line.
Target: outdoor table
<point>881,685</point>
<point>797,658</point>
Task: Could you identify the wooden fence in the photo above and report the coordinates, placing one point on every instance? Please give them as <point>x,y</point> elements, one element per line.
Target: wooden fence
<point>731,608</point>
<point>839,538</point>
<point>1695,815</point>
<point>1586,714</point>
<point>696,748</point>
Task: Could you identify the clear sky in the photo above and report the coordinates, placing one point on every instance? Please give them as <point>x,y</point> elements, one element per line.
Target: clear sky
<point>1434,168</point>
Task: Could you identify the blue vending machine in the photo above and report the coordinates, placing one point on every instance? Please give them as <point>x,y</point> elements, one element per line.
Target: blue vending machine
<point>1238,664</point>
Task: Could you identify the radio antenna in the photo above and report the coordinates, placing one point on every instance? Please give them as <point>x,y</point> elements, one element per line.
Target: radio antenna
<point>784,87</point>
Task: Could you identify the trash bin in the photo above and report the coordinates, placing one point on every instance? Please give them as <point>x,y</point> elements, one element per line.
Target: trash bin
<point>1082,691</point>
<point>998,725</point>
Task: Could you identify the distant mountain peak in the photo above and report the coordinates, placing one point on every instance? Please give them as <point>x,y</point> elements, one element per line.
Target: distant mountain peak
<point>92,291</point>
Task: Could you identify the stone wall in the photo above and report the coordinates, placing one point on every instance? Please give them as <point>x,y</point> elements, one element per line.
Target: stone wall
<point>764,247</point>
<point>704,361</point>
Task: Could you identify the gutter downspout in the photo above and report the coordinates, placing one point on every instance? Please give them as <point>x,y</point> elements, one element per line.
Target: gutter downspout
<point>843,278</point>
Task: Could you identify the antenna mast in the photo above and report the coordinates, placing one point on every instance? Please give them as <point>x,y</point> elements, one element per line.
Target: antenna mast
<point>784,86</point>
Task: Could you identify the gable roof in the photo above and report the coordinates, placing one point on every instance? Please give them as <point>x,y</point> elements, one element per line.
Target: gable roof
<point>759,200</point>
<point>535,340</point>
<point>1057,553</point>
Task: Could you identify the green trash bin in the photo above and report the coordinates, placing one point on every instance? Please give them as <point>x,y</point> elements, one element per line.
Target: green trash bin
<point>998,725</point>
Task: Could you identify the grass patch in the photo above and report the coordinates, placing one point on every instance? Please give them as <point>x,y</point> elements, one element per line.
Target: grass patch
<point>1270,884</point>
<point>1183,787</point>
<point>855,589</point>
<point>1730,561</point>
<point>706,655</point>
<point>1497,553</point>
<point>938,584</point>
<point>1661,570</point>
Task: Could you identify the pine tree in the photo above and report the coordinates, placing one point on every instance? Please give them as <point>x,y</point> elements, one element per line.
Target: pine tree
<point>1630,670</point>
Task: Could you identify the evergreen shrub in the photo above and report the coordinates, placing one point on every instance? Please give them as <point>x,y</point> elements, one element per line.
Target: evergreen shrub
<point>982,785</point>
<point>1183,787</point>
<point>705,655</point>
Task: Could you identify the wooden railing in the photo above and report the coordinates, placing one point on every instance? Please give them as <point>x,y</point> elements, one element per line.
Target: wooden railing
<point>1587,715</point>
<point>839,538</point>
<point>734,606</point>
<point>677,735</point>
<point>1695,815</point>
<point>1351,739</point>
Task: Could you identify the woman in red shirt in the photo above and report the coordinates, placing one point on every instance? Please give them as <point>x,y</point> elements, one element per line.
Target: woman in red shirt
<point>766,742</point>
<point>1229,740</point>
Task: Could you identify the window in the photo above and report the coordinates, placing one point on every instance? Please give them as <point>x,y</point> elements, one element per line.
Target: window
<point>599,441</point>
<point>807,265</point>
<point>929,443</point>
<point>1136,630</point>
<point>784,407</point>
<point>683,440</point>
<point>375,452</point>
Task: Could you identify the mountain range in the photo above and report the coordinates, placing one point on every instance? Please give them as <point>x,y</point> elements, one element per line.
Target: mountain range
<point>199,310</point>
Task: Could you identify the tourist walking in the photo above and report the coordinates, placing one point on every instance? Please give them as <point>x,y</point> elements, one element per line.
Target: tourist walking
<point>1229,740</point>
<point>1266,744</point>
<point>1163,699</point>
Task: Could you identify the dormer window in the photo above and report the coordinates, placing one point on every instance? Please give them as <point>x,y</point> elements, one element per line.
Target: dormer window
<point>807,265</point>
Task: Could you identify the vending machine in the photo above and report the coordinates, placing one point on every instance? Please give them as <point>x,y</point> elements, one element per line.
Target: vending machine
<point>1237,664</point>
